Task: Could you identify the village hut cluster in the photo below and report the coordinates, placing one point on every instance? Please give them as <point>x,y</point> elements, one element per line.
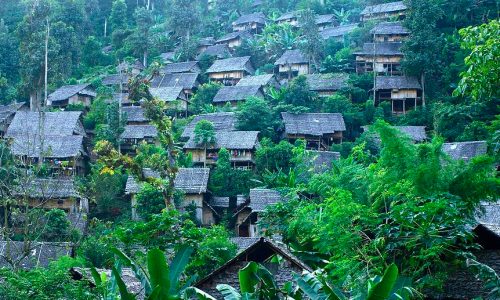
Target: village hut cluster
<point>59,139</point>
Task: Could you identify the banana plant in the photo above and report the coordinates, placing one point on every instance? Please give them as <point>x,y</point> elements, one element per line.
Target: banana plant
<point>256,282</point>
<point>160,281</point>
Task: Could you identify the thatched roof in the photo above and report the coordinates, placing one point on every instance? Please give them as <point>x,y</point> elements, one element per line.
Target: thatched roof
<point>315,124</point>
<point>40,254</point>
<point>292,57</point>
<point>234,35</point>
<point>68,91</point>
<point>181,67</point>
<point>7,111</point>
<point>134,114</point>
<point>133,186</point>
<point>168,94</point>
<point>288,15</point>
<point>220,51</point>
<point>261,198</point>
<point>60,147</point>
<point>48,188</point>
<point>125,66</point>
<point>386,48</point>
<point>192,180</point>
<point>231,140</point>
<point>61,123</point>
<point>232,64</point>
<point>490,217</point>
<point>327,82</point>
<point>167,56</point>
<point>115,79</point>
<point>184,80</point>
<point>257,17</point>
<point>396,82</point>
<point>416,133</point>
<point>325,19</point>
<point>384,8</point>
<point>222,121</point>
<point>139,132</point>
<point>206,41</point>
<point>237,93</point>
<point>465,150</point>
<point>330,32</point>
<point>389,28</point>
<point>244,242</point>
<point>259,80</point>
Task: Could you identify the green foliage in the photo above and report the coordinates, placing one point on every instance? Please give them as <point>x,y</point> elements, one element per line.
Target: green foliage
<point>118,18</point>
<point>481,78</point>
<point>273,157</point>
<point>204,96</point>
<point>255,114</point>
<point>226,181</point>
<point>57,227</point>
<point>204,133</point>
<point>53,282</point>
<point>150,200</point>
<point>298,94</point>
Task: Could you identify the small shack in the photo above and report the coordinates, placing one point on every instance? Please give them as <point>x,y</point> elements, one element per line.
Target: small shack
<point>326,85</point>
<point>220,51</point>
<point>188,81</point>
<point>261,251</point>
<point>7,113</point>
<point>382,58</point>
<point>181,67</point>
<point>323,21</point>
<point>404,93</point>
<point>193,182</point>
<point>389,32</point>
<point>337,33</point>
<point>234,39</point>
<point>71,95</point>
<point>385,11</point>
<point>133,68</point>
<point>265,81</point>
<point>230,70</point>
<point>135,115</point>
<point>115,80</point>
<point>222,121</point>
<point>174,97</point>
<point>252,22</point>
<point>291,18</point>
<point>240,144</point>
<point>133,135</point>
<point>465,150</point>
<point>236,94</point>
<point>291,64</point>
<point>319,130</point>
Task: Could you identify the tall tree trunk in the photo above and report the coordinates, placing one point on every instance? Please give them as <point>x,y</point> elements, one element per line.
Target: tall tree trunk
<point>423,89</point>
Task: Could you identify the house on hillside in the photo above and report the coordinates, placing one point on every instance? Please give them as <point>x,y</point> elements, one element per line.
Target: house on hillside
<point>174,97</point>
<point>230,70</point>
<point>291,18</point>
<point>218,51</point>
<point>181,67</point>
<point>323,21</point>
<point>263,251</point>
<point>236,94</point>
<point>240,144</point>
<point>71,95</point>
<point>63,155</point>
<point>385,11</point>
<point>60,123</point>
<point>319,130</point>
<point>193,182</point>
<point>465,150</point>
<point>49,193</point>
<point>417,134</point>
<point>32,254</point>
<point>326,85</point>
<point>134,185</point>
<point>252,22</point>
<point>265,81</point>
<point>337,33</point>
<point>404,93</point>
<point>389,32</point>
<point>462,282</point>
<point>188,81</point>
<point>134,115</point>
<point>222,121</point>
<point>383,58</point>
<point>234,39</point>
<point>133,135</point>
<point>204,43</point>
<point>247,215</point>
<point>223,205</point>
<point>291,64</point>
<point>134,68</point>
<point>7,113</point>
<point>115,80</point>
